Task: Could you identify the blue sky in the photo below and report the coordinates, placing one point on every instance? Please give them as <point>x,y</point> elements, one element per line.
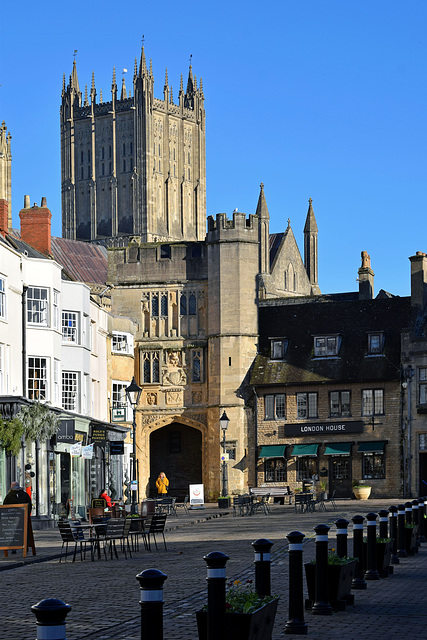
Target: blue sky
<point>321,99</point>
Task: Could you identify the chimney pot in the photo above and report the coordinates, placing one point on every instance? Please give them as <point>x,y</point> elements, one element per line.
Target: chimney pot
<point>43,203</point>
<point>27,202</point>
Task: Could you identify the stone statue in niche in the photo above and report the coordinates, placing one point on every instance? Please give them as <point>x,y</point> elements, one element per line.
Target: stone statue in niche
<point>174,372</point>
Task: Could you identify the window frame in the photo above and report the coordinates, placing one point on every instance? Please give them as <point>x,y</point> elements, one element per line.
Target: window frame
<point>123,337</point>
<point>151,357</point>
<point>42,307</point>
<point>271,412</point>
<point>377,335</point>
<point>70,393</point>
<point>278,348</point>
<point>305,464</point>
<point>376,456</point>
<point>34,363</point>
<point>3,298</point>
<point>309,395</point>
<point>365,408</point>
<point>70,334</point>
<point>422,385</point>
<point>340,413</point>
<point>275,473</point>
<point>327,351</point>
<point>197,355</point>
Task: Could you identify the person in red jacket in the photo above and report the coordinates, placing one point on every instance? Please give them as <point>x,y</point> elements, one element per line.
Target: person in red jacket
<point>104,495</point>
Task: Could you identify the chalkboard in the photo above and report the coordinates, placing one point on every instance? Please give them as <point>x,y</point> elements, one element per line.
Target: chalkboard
<point>99,503</point>
<point>14,527</point>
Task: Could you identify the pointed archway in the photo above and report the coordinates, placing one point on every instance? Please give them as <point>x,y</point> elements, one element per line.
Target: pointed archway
<point>176,449</point>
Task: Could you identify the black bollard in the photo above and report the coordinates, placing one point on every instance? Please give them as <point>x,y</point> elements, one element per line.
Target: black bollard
<point>415,520</point>
<point>401,534</point>
<point>383,528</point>
<point>295,623</point>
<point>393,534</point>
<point>342,534</point>
<point>151,594</point>
<point>358,581</point>
<point>421,518</point>
<point>216,562</point>
<point>371,572</point>
<point>321,606</point>
<point>262,566</point>
<point>50,615</point>
<point>408,512</point>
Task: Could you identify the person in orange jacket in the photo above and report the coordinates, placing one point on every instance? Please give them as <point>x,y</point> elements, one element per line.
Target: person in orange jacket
<point>104,495</point>
<point>162,484</point>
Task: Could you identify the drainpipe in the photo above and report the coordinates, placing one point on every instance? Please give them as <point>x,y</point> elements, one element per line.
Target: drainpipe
<point>24,341</point>
<point>256,435</point>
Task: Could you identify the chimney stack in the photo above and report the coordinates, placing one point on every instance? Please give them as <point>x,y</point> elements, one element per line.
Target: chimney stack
<point>419,279</point>
<point>4,221</point>
<point>36,225</point>
<point>366,278</point>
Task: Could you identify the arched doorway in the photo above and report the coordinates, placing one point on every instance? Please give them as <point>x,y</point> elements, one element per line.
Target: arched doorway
<point>177,450</point>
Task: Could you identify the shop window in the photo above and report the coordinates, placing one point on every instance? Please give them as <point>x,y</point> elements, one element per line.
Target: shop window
<point>372,402</point>
<point>306,405</point>
<point>339,404</point>
<point>278,348</point>
<point>275,407</point>
<point>373,466</point>
<point>306,468</point>
<point>275,470</point>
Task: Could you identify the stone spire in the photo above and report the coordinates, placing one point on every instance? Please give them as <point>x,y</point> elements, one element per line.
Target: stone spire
<point>114,85</point>
<point>310,247</point>
<point>86,101</point>
<point>189,94</point>
<point>92,89</point>
<point>74,78</point>
<point>263,232</point>
<point>123,94</point>
<point>262,209</point>
<point>142,63</point>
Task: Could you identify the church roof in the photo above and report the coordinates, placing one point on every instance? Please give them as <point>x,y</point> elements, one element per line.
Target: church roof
<point>275,242</point>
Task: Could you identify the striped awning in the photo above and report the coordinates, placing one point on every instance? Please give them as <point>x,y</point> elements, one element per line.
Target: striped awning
<point>272,451</point>
<point>305,450</point>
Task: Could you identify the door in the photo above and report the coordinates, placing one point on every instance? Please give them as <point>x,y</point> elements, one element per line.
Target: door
<point>340,476</point>
<point>423,474</point>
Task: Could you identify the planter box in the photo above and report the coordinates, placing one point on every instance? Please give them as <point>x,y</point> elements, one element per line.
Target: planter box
<point>224,503</point>
<point>362,493</point>
<point>243,626</point>
<point>383,551</point>
<point>411,540</point>
<point>339,583</point>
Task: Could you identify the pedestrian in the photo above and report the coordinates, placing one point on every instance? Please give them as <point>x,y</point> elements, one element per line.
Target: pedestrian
<point>17,495</point>
<point>162,484</point>
<point>104,496</point>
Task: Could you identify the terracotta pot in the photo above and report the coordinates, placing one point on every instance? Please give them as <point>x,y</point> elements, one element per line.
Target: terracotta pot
<point>243,626</point>
<point>362,493</point>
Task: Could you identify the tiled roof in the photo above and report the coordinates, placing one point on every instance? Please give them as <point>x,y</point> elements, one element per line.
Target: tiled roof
<point>353,320</point>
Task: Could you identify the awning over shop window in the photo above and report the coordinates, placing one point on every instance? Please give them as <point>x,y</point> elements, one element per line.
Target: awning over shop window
<point>372,447</point>
<point>273,451</point>
<point>338,449</point>
<point>305,449</point>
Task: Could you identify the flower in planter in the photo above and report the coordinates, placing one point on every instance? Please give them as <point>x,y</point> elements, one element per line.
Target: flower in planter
<point>334,559</point>
<point>241,598</point>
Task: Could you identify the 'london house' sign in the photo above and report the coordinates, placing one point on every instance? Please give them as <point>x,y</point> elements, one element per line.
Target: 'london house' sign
<point>325,428</point>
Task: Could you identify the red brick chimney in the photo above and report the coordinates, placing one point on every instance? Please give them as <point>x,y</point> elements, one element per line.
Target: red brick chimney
<point>35,226</point>
<point>4,217</point>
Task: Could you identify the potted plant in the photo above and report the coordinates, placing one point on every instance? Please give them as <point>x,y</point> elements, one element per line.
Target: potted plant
<point>361,491</point>
<point>383,552</point>
<point>248,616</point>
<point>322,494</point>
<point>340,576</point>
<point>224,502</point>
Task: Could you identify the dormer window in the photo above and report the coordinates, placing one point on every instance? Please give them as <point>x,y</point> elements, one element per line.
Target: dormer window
<point>326,346</point>
<point>375,343</point>
<point>279,347</point>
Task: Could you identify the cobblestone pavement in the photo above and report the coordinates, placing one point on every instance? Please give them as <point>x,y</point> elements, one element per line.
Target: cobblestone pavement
<point>105,594</point>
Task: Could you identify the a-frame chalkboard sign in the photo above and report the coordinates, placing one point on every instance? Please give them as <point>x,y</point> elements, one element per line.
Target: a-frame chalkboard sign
<point>16,531</point>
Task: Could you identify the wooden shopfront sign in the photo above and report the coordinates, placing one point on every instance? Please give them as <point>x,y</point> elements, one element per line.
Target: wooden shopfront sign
<point>15,529</point>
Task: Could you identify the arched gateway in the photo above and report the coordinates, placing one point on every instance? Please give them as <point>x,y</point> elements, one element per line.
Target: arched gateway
<point>176,449</point>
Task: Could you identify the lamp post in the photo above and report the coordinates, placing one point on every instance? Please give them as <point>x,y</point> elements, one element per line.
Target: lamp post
<point>408,375</point>
<point>223,421</point>
<point>133,394</point>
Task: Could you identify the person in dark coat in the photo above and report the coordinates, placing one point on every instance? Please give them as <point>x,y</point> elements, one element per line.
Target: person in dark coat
<point>17,495</point>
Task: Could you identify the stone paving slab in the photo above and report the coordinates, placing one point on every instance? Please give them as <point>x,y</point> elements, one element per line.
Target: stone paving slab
<point>105,594</point>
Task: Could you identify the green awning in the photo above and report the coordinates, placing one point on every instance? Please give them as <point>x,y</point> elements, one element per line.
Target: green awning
<point>372,447</point>
<point>305,449</point>
<point>338,449</point>
<point>272,451</point>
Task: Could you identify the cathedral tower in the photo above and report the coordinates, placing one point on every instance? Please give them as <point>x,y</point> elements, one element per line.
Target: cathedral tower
<point>6,171</point>
<point>134,165</point>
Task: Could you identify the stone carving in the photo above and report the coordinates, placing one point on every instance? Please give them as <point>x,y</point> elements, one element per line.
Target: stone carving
<point>151,398</point>
<point>174,397</point>
<point>174,373</point>
<point>197,397</point>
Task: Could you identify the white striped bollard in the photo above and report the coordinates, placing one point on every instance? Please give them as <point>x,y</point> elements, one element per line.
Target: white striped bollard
<point>151,594</point>
<point>50,615</point>
<point>401,533</point>
<point>371,572</point>
<point>216,577</point>
<point>342,533</point>
<point>393,534</point>
<point>421,518</point>
<point>383,526</point>
<point>262,562</point>
<point>358,581</point>
<point>415,520</point>
<point>295,623</point>
<point>321,606</point>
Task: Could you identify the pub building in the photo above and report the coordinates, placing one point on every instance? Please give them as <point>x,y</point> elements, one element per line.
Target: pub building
<point>328,388</point>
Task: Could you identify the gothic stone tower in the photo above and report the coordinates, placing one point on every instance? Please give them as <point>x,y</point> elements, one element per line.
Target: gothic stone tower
<point>6,171</point>
<point>133,165</point>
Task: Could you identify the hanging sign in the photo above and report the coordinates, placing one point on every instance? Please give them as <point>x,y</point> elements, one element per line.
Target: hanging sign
<point>87,452</point>
<point>117,447</point>
<point>99,434</point>
<point>76,450</point>
<point>66,432</point>
<point>118,414</point>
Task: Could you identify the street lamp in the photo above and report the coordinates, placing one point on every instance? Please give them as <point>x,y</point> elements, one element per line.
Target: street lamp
<point>133,394</point>
<point>223,421</point>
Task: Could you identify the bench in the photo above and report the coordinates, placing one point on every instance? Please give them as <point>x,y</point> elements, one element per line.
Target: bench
<point>279,493</point>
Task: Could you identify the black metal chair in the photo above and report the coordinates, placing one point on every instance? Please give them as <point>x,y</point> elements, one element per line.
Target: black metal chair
<point>157,526</point>
<point>182,502</point>
<point>330,499</point>
<point>116,531</point>
<point>71,532</point>
<point>261,505</point>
